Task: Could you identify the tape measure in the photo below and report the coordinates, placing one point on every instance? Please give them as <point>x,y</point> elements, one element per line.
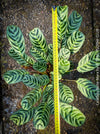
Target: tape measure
<point>55,69</point>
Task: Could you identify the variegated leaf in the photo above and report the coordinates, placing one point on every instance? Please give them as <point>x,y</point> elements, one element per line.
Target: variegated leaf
<point>88,89</point>
<point>38,41</point>
<point>64,66</point>
<point>14,76</point>
<point>64,54</point>
<point>50,53</point>
<point>41,116</point>
<point>50,103</point>
<point>31,98</point>
<point>65,93</point>
<point>40,66</point>
<point>21,116</point>
<point>71,115</point>
<point>59,75</point>
<point>75,41</point>
<point>16,39</point>
<point>89,62</point>
<point>39,56</point>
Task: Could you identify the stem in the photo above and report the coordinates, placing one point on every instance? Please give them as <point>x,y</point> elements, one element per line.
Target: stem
<point>72,70</point>
<point>68,80</point>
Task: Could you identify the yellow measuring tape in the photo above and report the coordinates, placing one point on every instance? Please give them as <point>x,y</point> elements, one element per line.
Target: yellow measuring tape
<point>55,69</point>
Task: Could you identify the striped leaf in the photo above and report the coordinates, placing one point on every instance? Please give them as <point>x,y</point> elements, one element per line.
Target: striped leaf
<point>62,16</point>
<point>38,41</point>
<point>39,56</point>
<point>50,53</point>
<point>64,54</point>
<point>87,88</point>
<point>21,59</point>
<point>75,41</point>
<point>35,81</point>
<point>51,75</point>
<point>47,92</point>
<point>14,76</point>
<point>31,98</point>
<point>89,62</point>
<point>16,39</point>
<point>65,93</point>
<point>71,115</point>
<point>50,103</point>
<point>64,66</point>
<point>40,66</point>
<point>21,116</point>
<point>74,22</point>
<point>41,116</point>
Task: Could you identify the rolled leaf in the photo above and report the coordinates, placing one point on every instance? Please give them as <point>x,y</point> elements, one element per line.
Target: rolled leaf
<point>75,41</point>
<point>62,16</point>
<point>64,66</point>
<point>88,89</point>
<point>89,62</point>
<point>65,93</point>
<point>21,116</point>
<point>31,98</point>
<point>64,54</point>
<point>34,81</point>
<point>14,76</point>
<point>39,56</point>
<point>71,115</point>
<point>74,22</point>
<point>41,116</point>
<point>16,39</point>
<point>40,66</point>
<point>38,41</point>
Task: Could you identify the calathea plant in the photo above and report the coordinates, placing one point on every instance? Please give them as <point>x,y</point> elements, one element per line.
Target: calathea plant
<point>37,72</point>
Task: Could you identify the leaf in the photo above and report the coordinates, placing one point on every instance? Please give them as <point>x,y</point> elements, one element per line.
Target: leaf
<point>74,22</point>
<point>38,41</point>
<point>65,93</point>
<point>21,116</point>
<point>89,62</point>
<point>50,53</point>
<point>47,92</point>
<point>64,66</point>
<point>41,116</point>
<point>40,66</point>
<point>14,76</point>
<point>87,88</point>
<point>71,115</point>
<point>35,81</point>
<point>39,56</point>
<point>50,103</point>
<point>62,18</point>
<point>21,59</point>
<point>16,39</point>
<point>52,73</point>
<point>75,41</point>
<point>31,98</point>
<point>64,54</point>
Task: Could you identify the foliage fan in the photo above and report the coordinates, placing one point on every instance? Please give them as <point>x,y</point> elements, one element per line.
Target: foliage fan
<point>37,72</point>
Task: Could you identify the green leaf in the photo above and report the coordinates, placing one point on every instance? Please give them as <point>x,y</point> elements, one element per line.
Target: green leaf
<point>41,116</point>
<point>62,16</point>
<point>31,98</point>
<point>39,56</point>
<point>64,66</point>
<point>14,76</point>
<point>51,74</point>
<point>21,116</point>
<point>47,92</point>
<point>21,59</point>
<point>35,81</point>
<point>87,88</point>
<point>65,93</point>
<point>16,39</point>
<point>75,41</point>
<point>38,41</point>
<point>50,103</point>
<point>89,62</point>
<point>50,53</point>
<point>71,115</point>
<point>64,54</point>
<point>74,22</point>
<point>40,66</point>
